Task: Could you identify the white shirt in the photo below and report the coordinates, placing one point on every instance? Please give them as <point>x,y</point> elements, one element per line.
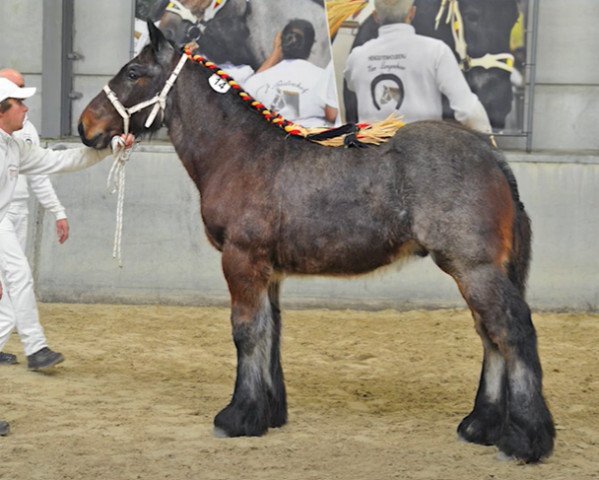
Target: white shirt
<point>406,73</point>
<point>293,88</point>
<point>39,184</point>
<point>17,156</point>
<point>240,73</point>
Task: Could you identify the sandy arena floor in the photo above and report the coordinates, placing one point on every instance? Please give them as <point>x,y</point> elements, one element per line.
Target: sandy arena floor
<point>372,395</point>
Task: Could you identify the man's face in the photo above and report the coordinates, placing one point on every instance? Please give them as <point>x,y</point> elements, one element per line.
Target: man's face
<point>12,119</point>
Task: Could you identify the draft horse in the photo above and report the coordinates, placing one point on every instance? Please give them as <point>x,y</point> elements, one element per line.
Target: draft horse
<point>277,205</point>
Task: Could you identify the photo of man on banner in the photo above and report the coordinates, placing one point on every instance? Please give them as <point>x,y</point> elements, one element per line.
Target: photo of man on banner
<point>486,39</point>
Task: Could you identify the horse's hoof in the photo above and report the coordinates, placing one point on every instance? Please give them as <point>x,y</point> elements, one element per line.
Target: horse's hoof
<point>482,427</point>
<point>278,416</point>
<point>502,457</point>
<point>219,433</point>
<point>527,443</point>
<point>234,421</point>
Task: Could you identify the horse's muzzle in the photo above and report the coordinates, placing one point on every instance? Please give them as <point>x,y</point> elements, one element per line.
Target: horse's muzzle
<point>99,141</point>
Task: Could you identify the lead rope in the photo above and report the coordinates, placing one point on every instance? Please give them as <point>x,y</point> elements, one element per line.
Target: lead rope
<point>116,177</point>
<point>116,184</point>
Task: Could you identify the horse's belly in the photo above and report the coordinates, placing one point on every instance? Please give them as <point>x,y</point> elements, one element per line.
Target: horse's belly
<point>342,257</point>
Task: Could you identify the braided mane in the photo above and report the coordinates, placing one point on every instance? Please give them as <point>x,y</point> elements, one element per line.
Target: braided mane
<point>349,135</point>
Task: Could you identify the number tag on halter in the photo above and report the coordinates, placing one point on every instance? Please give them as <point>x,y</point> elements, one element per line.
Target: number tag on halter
<point>218,84</point>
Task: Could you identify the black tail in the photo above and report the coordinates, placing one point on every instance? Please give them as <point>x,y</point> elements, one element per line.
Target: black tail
<point>521,243</point>
<point>521,251</point>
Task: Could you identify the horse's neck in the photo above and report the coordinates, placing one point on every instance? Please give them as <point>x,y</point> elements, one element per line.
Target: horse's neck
<point>209,129</point>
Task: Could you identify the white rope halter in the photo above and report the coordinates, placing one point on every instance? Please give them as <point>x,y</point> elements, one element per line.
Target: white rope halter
<point>116,176</point>
<point>159,100</point>
<point>185,13</point>
<point>503,61</point>
<point>174,6</point>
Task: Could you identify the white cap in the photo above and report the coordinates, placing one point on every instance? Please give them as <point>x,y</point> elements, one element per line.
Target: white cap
<point>10,90</point>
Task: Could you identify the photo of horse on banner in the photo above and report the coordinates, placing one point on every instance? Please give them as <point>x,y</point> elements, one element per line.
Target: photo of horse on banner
<point>239,32</point>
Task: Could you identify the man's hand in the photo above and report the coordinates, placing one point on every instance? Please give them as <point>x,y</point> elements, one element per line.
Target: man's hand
<point>62,230</point>
<point>275,56</point>
<point>122,142</point>
<point>128,140</point>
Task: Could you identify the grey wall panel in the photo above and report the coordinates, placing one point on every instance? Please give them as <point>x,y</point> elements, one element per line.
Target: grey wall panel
<point>566,117</point>
<point>102,36</point>
<point>568,42</point>
<point>167,258</point>
<point>21,33</point>
<point>562,200</point>
<point>89,87</point>
<point>35,103</point>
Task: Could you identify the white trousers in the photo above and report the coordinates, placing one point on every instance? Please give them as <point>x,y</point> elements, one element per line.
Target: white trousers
<point>18,307</point>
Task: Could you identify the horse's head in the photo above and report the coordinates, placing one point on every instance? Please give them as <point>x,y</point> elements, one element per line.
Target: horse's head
<point>425,24</point>
<point>182,21</point>
<point>227,36</point>
<point>140,80</point>
<point>487,29</point>
<point>221,34</point>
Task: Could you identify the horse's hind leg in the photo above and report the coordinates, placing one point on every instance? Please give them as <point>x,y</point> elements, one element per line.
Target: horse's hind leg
<point>527,430</point>
<point>259,397</point>
<point>483,425</point>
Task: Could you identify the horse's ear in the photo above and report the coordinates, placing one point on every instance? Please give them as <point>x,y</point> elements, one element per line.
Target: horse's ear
<point>156,36</point>
<point>160,44</point>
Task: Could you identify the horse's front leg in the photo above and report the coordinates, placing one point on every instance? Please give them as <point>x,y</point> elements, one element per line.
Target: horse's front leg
<point>259,397</point>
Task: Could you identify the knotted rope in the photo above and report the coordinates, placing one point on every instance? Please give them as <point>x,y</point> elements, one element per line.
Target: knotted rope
<point>115,183</point>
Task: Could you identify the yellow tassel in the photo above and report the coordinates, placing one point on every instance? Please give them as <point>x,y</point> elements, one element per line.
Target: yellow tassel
<point>373,134</point>
<point>340,10</point>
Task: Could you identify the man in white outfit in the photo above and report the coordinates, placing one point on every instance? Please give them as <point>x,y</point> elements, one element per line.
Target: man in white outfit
<point>18,156</point>
<point>404,73</point>
<point>13,241</point>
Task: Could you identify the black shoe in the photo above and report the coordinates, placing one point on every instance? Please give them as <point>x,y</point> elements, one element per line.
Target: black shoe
<point>44,358</point>
<point>4,428</point>
<point>8,359</point>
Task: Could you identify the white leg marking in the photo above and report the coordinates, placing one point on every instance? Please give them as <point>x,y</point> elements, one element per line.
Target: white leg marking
<point>494,370</point>
<point>522,380</point>
<point>256,366</point>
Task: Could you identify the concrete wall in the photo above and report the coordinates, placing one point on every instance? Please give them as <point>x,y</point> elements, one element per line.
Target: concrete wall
<point>566,102</point>
<point>168,260</point>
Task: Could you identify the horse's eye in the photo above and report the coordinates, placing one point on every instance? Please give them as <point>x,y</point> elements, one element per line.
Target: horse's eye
<point>132,76</point>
